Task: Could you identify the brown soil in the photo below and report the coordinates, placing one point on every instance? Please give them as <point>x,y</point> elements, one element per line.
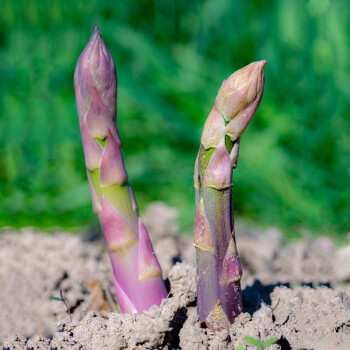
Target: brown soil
<point>310,279</point>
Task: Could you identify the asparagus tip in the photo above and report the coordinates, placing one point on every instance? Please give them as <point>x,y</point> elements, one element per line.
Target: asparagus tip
<point>241,90</point>
<point>96,30</point>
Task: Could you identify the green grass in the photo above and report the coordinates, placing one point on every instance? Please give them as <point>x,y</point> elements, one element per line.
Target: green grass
<point>172,57</point>
<point>258,344</point>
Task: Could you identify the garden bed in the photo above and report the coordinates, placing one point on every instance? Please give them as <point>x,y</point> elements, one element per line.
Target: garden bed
<point>307,280</point>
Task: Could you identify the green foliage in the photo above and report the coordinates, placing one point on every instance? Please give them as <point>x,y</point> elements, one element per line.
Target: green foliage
<point>55,298</point>
<point>257,343</point>
<point>273,308</point>
<point>269,342</point>
<point>172,57</point>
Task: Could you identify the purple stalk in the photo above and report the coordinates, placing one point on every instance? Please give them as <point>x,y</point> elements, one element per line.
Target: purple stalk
<point>219,298</point>
<point>138,277</point>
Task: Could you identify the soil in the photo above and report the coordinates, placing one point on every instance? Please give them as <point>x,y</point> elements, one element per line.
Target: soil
<point>308,281</point>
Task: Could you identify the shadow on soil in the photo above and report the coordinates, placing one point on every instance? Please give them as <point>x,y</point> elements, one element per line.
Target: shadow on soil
<point>258,293</point>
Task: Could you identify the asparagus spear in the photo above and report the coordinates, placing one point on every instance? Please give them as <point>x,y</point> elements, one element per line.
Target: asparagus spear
<point>219,298</point>
<point>138,278</point>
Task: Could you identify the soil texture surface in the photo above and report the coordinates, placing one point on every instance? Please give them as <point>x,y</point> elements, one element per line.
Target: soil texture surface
<point>298,293</point>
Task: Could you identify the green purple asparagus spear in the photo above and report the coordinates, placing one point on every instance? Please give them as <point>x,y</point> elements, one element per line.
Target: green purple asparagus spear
<point>138,278</point>
<point>219,299</point>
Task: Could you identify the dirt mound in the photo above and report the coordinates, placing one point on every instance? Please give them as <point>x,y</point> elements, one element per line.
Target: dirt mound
<point>35,266</point>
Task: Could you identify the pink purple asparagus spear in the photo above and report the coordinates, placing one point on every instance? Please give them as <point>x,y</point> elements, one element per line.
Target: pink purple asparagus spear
<point>138,278</point>
<point>219,271</point>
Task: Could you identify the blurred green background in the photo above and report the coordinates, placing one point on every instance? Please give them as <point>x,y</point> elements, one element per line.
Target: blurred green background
<point>172,57</point>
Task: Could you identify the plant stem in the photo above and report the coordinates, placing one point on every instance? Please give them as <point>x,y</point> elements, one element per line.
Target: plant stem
<point>219,299</point>
<point>138,277</point>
